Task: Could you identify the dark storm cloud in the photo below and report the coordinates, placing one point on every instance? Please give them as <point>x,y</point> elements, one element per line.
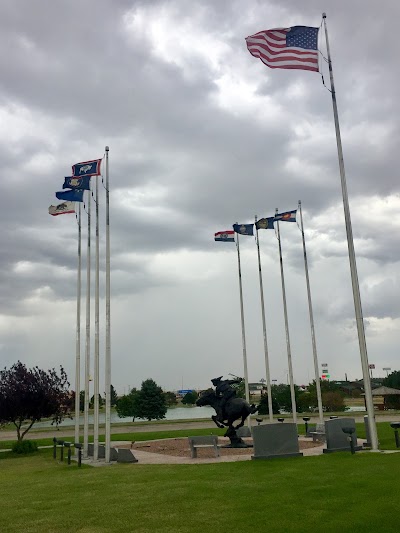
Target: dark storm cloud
<point>198,139</point>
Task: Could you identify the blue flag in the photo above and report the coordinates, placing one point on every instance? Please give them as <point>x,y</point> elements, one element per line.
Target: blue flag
<point>87,168</point>
<point>76,195</point>
<point>288,216</point>
<point>77,183</point>
<point>244,229</point>
<point>265,223</point>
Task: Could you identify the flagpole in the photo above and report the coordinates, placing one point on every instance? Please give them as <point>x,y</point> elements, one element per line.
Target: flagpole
<point>108,322</point>
<point>289,353</point>
<point>78,332</point>
<point>246,376</point>
<point>96,337</point>
<point>353,266</point>
<point>267,371</point>
<point>87,344</point>
<point>310,310</point>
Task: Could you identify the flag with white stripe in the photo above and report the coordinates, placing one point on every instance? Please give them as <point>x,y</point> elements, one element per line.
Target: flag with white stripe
<point>288,48</point>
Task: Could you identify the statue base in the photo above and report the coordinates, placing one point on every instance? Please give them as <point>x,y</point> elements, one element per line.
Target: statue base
<point>238,445</point>
<point>236,442</point>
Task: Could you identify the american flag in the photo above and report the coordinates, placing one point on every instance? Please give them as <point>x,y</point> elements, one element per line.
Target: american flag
<point>290,48</point>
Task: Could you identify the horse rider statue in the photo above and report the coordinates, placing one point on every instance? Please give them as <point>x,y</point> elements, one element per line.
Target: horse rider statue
<point>224,391</point>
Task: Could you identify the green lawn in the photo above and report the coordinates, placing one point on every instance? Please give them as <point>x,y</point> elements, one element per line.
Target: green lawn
<point>333,493</point>
<point>385,435</point>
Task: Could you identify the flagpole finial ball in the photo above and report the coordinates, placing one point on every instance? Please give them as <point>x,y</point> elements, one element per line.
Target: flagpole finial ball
<point>324,15</point>
<point>107,148</point>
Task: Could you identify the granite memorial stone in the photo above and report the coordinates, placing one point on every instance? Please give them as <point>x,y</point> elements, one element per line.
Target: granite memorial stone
<point>336,439</point>
<point>275,440</point>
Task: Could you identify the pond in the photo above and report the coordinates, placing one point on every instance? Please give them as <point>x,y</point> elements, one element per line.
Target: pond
<point>177,413</point>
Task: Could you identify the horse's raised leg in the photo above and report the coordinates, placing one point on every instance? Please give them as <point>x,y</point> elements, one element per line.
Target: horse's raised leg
<point>216,422</point>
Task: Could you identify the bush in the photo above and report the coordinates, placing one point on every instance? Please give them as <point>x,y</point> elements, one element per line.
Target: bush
<point>24,446</point>
<point>333,401</point>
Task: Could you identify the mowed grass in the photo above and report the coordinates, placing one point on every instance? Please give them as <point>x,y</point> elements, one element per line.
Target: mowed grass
<point>385,435</point>
<point>333,493</point>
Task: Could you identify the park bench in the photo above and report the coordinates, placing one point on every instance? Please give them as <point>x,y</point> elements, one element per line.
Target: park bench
<point>207,441</point>
<point>125,456</point>
<point>319,433</point>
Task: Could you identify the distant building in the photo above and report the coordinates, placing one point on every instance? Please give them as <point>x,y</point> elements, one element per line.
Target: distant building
<point>256,388</point>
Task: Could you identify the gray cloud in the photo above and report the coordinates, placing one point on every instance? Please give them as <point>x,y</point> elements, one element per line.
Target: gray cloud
<point>201,135</point>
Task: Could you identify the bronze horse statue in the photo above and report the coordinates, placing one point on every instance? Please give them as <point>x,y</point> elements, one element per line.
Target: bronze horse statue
<point>235,409</point>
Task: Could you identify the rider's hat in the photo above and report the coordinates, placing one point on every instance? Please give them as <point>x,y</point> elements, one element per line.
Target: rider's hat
<point>216,380</point>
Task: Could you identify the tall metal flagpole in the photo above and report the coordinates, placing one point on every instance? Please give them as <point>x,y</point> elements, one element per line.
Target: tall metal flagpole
<point>246,375</point>
<point>108,324</point>
<point>310,310</point>
<point>289,353</point>
<point>353,267</point>
<point>87,344</point>
<point>96,336</point>
<point>267,372</point>
<point>78,331</point>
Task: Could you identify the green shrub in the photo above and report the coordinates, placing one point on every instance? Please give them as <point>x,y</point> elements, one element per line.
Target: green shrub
<point>24,446</point>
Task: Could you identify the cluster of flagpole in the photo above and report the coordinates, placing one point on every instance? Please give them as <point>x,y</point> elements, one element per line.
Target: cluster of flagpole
<point>248,229</point>
<point>82,177</point>
<point>296,48</point>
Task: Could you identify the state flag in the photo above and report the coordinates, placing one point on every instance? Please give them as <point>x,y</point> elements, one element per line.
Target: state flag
<point>225,236</point>
<point>87,168</point>
<point>62,209</point>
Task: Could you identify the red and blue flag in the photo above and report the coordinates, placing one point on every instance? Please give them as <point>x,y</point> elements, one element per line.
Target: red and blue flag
<point>288,216</point>
<point>225,236</point>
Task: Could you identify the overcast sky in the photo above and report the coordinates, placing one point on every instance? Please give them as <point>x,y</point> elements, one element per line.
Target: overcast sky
<point>201,135</point>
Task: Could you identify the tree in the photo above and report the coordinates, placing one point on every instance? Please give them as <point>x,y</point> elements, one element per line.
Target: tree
<point>326,386</point>
<point>28,395</point>
<point>190,398</point>
<point>240,389</point>
<point>91,403</point>
<point>332,393</point>
<point>263,407</point>
<point>333,401</point>
<point>170,398</point>
<point>125,405</point>
<point>113,396</point>
<point>306,402</point>
<point>392,380</point>
<point>150,401</point>
<point>283,396</point>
